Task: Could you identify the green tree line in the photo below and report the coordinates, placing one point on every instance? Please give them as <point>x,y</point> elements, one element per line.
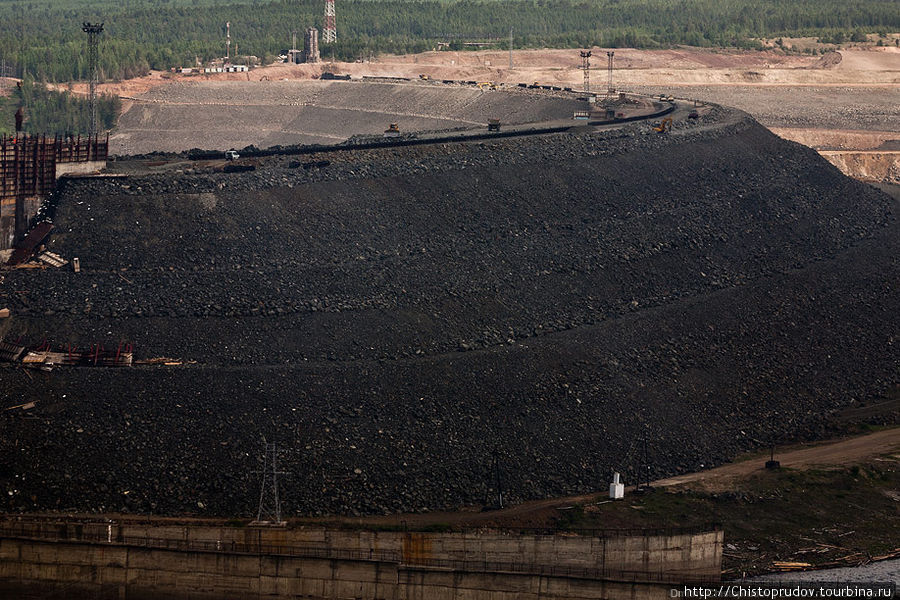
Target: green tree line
<point>45,39</point>
<point>53,112</point>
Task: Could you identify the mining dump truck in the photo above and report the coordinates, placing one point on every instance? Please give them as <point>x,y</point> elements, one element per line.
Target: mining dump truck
<point>392,131</point>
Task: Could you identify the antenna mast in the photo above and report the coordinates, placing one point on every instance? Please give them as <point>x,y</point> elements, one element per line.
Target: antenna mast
<point>93,30</point>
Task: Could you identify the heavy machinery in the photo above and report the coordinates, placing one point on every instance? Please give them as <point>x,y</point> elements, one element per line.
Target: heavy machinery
<point>392,131</point>
<point>665,126</point>
<point>487,85</point>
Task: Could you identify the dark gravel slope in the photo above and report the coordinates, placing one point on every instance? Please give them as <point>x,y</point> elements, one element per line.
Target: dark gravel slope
<point>398,316</point>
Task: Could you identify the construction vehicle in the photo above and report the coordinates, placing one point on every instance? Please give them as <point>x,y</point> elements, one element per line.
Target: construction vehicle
<point>392,131</point>
<point>424,77</point>
<point>665,126</point>
<point>493,124</point>
<point>231,155</point>
<point>487,85</point>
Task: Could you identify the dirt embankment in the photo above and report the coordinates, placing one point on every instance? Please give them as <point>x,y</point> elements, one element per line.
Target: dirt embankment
<point>397,318</point>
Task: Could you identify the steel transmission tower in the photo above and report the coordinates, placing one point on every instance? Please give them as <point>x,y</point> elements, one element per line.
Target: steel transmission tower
<point>586,65</point>
<point>329,33</point>
<point>93,30</point>
<point>269,511</point>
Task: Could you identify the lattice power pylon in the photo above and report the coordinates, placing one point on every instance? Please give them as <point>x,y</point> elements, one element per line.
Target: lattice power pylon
<point>269,512</point>
<point>586,65</point>
<point>329,33</point>
<point>93,30</point>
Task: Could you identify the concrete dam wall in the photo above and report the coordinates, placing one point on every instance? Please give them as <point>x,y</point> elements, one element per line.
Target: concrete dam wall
<point>194,562</point>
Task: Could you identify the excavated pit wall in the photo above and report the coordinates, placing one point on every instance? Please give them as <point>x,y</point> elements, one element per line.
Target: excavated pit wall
<point>400,316</point>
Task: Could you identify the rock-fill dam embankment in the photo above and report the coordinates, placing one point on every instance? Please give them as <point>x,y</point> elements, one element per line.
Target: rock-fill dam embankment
<point>398,318</point>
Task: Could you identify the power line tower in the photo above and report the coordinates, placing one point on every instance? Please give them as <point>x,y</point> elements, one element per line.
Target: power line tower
<point>93,30</point>
<point>586,65</point>
<point>329,33</point>
<point>610,90</point>
<point>269,512</point>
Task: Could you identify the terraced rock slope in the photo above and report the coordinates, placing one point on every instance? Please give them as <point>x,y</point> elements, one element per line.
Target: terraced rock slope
<point>398,318</point>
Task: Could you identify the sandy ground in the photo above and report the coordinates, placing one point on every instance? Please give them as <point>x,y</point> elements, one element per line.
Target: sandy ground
<point>842,453</point>
<point>846,100</point>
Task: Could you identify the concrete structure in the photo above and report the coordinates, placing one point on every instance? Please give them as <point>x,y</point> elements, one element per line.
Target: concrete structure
<point>311,46</point>
<point>220,562</point>
<point>616,488</point>
<point>29,168</point>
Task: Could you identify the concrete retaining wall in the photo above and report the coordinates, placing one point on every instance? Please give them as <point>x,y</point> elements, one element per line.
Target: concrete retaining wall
<point>32,568</point>
<point>138,561</point>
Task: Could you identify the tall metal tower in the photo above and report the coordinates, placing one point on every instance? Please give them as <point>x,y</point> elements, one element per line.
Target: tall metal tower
<point>269,511</point>
<point>610,90</point>
<point>329,33</point>
<point>227,41</point>
<point>586,65</point>
<point>93,30</point>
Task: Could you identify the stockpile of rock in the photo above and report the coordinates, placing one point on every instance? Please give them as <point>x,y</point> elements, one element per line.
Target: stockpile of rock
<point>397,318</point>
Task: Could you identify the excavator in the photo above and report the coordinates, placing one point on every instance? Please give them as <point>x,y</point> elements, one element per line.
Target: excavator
<point>665,126</point>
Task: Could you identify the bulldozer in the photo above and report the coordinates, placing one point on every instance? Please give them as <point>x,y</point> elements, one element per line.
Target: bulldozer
<point>664,127</point>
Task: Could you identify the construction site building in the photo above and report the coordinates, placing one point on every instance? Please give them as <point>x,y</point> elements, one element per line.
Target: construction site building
<point>311,46</point>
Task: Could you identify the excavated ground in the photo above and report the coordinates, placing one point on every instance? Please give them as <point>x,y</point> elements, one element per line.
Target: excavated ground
<point>235,114</point>
<point>400,317</point>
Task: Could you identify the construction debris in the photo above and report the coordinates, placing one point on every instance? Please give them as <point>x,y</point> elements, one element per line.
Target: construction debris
<point>790,566</point>
<point>52,259</point>
<point>25,249</point>
<point>44,359</point>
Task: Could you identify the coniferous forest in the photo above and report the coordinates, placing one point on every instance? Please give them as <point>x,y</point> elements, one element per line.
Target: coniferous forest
<point>45,41</point>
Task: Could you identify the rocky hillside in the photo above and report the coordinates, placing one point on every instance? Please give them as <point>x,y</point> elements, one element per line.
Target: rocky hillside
<point>397,318</point>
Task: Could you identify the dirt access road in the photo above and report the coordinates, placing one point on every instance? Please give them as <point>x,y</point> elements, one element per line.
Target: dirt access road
<point>838,453</point>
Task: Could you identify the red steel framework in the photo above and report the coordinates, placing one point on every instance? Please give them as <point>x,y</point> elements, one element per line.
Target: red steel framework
<point>329,33</point>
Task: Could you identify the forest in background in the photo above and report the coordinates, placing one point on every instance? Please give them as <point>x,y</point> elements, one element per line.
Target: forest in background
<point>52,112</point>
<point>45,41</point>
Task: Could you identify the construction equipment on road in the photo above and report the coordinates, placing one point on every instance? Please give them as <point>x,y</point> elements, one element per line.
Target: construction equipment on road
<point>665,126</point>
<point>493,124</point>
<point>392,131</point>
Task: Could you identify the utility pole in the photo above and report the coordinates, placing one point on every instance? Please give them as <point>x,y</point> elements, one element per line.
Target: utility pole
<point>510,49</point>
<point>586,65</point>
<point>93,30</point>
<point>610,90</point>
<point>269,512</point>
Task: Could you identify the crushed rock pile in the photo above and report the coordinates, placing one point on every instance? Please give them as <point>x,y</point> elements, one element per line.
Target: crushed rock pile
<point>398,318</point>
